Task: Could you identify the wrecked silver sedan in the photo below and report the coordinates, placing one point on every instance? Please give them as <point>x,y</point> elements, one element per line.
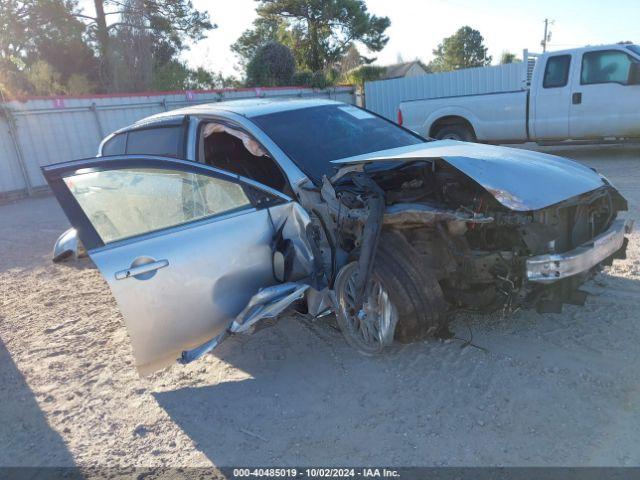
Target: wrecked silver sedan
<point>206,220</point>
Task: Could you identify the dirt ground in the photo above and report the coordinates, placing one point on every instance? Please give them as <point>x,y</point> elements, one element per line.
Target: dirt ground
<point>549,389</point>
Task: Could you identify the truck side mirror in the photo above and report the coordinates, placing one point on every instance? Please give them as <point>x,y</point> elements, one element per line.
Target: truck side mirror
<point>634,74</point>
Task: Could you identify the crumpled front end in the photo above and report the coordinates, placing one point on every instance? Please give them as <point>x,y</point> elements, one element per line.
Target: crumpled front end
<point>494,236</point>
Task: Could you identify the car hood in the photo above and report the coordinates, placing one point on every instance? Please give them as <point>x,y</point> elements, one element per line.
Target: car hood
<point>521,180</point>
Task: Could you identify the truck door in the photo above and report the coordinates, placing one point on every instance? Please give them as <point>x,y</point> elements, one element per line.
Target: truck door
<point>603,102</point>
<point>549,115</point>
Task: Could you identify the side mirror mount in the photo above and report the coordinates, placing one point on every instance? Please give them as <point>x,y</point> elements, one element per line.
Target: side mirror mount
<point>634,74</point>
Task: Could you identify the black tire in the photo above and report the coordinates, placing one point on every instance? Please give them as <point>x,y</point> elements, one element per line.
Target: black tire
<point>413,291</point>
<point>457,131</point>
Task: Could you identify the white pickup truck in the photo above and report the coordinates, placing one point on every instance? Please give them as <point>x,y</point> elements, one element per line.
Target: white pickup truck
<point>590,93</point>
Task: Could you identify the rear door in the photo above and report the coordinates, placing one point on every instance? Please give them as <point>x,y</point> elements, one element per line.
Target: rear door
<point>603,104</point>
<point>183,246</point>
<point>550,108</point>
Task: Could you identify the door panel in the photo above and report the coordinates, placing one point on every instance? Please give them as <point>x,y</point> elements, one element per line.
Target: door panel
<point>183,246</point>
<point>604,105</point>
<point>213,269</point>
<point>552,97</point>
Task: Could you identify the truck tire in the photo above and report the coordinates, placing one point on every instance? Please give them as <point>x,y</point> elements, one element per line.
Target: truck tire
<point>456,131</point>
<point>402,293</point>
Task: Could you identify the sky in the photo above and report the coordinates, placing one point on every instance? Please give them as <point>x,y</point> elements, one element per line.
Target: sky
<point>418,26</point>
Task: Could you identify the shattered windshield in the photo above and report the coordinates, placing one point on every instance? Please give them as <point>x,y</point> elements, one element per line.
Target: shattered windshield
<point>313,137</point>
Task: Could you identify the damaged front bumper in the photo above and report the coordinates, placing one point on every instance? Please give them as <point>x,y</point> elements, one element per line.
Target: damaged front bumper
<point>550,268</point>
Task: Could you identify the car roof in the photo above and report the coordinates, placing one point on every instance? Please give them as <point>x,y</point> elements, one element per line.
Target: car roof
<point>250,107</point>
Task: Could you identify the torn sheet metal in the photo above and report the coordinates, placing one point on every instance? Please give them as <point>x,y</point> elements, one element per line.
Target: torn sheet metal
<point>521,180</point>
<point>296,220</point>
<point>267,303</point>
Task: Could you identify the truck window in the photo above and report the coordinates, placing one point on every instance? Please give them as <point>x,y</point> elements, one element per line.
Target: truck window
<point>605,66</point>
<point>556,73</point>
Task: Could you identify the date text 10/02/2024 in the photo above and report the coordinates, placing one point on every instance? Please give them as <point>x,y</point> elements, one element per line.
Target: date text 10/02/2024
<point>316,472</point>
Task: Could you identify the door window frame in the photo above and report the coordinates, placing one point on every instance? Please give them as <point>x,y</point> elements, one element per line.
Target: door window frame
<point>204,120</point>
<point>260,196</point>
<point>174,122</point>
<point>631,58</point>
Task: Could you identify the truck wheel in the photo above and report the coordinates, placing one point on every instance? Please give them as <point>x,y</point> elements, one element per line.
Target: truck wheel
<point>405,302</point>
<point>455,132</point>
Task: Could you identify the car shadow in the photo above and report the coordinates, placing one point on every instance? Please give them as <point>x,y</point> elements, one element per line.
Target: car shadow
<point>26,439</point>
<point>306,398</point>
<point>287,410</point>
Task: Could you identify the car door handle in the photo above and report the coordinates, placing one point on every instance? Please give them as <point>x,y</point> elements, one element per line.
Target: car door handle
<point>137,270</point>
<point>576,98</point>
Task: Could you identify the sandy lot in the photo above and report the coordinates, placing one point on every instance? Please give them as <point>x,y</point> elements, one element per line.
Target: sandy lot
<point>548,390</point>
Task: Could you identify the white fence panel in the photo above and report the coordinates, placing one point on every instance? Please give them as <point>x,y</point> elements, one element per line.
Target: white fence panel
<point>51,130</point>
<point>11,177</point>
<point>384,96</point>
<point>50,137</point>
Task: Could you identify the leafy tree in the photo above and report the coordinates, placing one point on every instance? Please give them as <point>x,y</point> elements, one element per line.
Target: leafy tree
<point>302,78</point>
<point>175,75</point>
<point>364,73</point>
<point>272,65</point>
<point>45,79</point>
<point>352,59</point>
<point>464,49</point>
<point>265,29</point>
<point>508,57</point>
<point>43,40</point>
<point>53,47</point>
<point>159,28</point>
<point>319,32</point>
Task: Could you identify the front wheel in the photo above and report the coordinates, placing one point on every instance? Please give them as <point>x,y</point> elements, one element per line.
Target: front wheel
<point>368,328</point>
<point>403,301</point>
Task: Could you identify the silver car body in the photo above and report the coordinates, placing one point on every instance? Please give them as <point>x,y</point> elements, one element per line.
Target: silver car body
<point>183,289</point>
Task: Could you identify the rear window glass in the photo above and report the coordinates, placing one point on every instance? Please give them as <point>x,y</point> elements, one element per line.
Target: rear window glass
<point>556,73</point>
<point>115,146</point>
<point>313,137</point>
<point>165,141</point>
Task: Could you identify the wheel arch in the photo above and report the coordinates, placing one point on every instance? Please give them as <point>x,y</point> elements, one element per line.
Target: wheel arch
<point>451,116</point>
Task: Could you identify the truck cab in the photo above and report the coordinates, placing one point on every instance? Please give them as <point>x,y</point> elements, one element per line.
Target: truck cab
<point>588,93</point>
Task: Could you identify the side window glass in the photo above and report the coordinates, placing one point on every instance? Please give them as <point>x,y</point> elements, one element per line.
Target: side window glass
<point>556,73</point>
<point>607,66</point>
<point>115,146</point>
<point>164,141</point>
<point>128,202</point>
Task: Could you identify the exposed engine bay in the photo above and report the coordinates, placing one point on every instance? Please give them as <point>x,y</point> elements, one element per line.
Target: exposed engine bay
<point>457,232</point>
